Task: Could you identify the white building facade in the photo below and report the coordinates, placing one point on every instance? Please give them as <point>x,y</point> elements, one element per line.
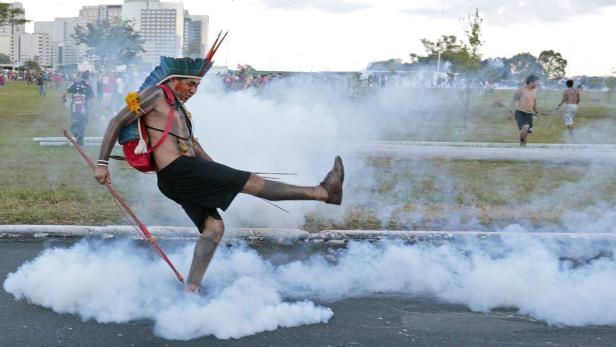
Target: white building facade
<point>36,47</point>
<point>167,29</point>
<point>101,13</point>
<point>196,31</point>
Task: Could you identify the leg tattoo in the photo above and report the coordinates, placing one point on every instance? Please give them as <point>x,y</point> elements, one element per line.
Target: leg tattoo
<point>330,190</point>
<point>204,251</point>
<point>274,191</point>
<point>213,230</point>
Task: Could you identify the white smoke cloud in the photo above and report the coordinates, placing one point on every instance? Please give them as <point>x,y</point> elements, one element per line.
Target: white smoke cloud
<point>115,281</point>
<point>292,126</point>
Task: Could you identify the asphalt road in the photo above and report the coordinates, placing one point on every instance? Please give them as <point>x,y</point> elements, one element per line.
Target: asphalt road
<point>366,321</point>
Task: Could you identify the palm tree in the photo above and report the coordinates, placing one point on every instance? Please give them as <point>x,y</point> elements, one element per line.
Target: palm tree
<point>12,16</point>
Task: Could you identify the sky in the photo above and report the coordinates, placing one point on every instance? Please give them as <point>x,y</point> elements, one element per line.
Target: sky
<point>331,35</point>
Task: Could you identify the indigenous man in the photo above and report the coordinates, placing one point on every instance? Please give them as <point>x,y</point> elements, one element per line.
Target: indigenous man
<point>186,173</point>
<point>81,102</point>
<point>524,104</point>
<point>571,99</point>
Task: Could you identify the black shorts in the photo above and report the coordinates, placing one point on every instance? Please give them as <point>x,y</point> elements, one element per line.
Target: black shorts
<point>200,186</point>
<point>523,118</point>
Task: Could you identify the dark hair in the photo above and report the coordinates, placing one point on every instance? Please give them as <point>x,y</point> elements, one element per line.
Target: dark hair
<point>85,75</point>
<point>531,78</point>
<point>569,83</point>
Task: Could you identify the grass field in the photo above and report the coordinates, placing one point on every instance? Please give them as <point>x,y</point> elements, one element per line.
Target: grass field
<point>43,185</point>
<point>53,186</point>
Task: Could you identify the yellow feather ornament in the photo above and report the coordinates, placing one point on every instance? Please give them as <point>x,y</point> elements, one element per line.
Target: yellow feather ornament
<point>133,103</point>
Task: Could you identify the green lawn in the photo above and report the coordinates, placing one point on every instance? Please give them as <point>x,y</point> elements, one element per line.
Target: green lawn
<point>42,185</point>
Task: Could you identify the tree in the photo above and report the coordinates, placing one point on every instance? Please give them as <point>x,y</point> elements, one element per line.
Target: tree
<point>553,63</point>
<point>389,65</point>
<point>12,16</point>
<point>524,64</point>
<point>110,43</point>
<point>453,51</point>
<point>494,70</point>
<point>463,55</point>
<point>4,59</point>
<point>32,65</point>
<point>473,32</point>
<point>446,43</point>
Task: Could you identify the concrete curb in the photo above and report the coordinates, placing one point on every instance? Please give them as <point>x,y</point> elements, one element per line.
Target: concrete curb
<point>277,235</point>
<point>161,232</point>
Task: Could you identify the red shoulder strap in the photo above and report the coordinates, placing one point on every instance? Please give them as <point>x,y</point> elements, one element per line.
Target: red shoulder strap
<point>171,102</point>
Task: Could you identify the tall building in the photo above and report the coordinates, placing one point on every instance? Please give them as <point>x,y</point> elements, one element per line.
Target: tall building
<point>158,28</point>
<point>101,13</point>
<point>196,30</point>
<point>9,36</point>
<point>65,48</point>
<point>49,28</point>
<point>161,24</point>
<point>64,28</point>
<point>131,10</point>
<point>112,13</point>
<point>37,47</point>
<point>45,28</point>
<point>89,14</point>
<point>5,45</point>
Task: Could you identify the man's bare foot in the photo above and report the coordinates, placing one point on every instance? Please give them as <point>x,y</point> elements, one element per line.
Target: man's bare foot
<point>333,182</point>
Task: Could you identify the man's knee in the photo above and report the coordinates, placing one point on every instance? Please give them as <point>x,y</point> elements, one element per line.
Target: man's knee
<point>214,229</point>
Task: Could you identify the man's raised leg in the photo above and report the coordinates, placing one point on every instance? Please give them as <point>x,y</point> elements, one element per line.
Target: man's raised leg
<point>213,229</point>
<point>330,190</point>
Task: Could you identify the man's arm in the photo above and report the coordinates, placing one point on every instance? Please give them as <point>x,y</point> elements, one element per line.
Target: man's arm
<point>535,106</point>
<point>148,99</point>
<point>199,151</point>
<point>579,96</point>
<point>68,90</point>
<point>516,98</point>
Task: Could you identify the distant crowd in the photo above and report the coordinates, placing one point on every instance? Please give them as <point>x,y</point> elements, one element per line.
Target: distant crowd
<point>247,77</point>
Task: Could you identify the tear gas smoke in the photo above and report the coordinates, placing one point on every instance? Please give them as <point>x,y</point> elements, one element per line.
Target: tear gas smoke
<point>293,125</point>
<point>561,283</point>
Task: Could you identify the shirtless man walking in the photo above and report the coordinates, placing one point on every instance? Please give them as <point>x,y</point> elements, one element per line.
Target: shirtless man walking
<point>524,106</point>
<point>571,99</point>
<point>186,173</point>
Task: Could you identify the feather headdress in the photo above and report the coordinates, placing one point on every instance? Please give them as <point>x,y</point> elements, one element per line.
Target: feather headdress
<point>182,67</point>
